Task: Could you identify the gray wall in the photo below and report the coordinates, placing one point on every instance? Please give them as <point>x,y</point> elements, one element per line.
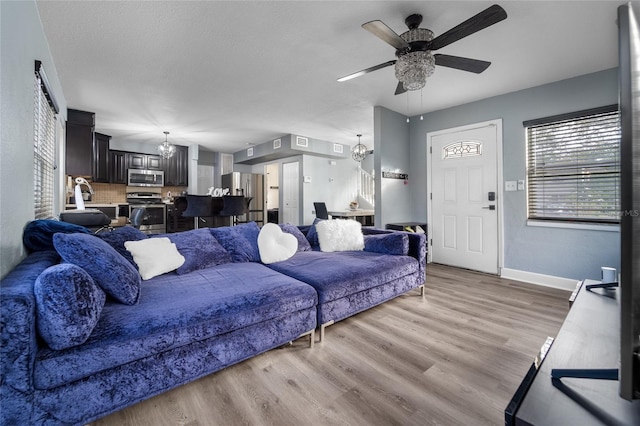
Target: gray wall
<point>392,152</point>
<point>22,42</point>
<point>567,253</point>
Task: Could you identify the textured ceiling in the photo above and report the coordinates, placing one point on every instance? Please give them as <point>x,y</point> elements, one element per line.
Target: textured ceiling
<point>225,74</point>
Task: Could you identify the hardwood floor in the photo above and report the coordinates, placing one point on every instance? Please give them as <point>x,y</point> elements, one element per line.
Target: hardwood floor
<point>454,357</point>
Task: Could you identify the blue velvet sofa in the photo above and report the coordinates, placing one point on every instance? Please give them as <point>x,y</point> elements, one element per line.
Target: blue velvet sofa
<point>220,307</point>
<point>349,282</point>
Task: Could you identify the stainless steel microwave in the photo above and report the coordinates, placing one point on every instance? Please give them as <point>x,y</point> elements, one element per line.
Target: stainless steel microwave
<point>138,177</point>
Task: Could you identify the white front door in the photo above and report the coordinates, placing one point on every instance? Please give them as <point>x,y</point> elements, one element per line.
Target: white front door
<point>290,193</point>
<point>464,197</point>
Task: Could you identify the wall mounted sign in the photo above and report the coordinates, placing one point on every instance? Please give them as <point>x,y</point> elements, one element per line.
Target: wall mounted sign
<point>217,192</point>
<point>394,175</point>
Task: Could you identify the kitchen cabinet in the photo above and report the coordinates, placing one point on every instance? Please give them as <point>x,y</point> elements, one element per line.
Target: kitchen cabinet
<point>176,168</point>
<point>79,143</point>
<point>117,167</point>
<point>144,161</point>
<point>100,160</point>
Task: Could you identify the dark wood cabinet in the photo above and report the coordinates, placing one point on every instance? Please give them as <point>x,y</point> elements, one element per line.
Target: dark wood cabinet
<point>79,143</point>
<point>117,167</point>
<point>144,161</point>
<point>176,168</point>
<point>176,222</point>
<point>100,161</point>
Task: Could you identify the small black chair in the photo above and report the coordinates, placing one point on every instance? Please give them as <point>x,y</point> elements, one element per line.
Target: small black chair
<point>321,210</point>
<point>137,216</point>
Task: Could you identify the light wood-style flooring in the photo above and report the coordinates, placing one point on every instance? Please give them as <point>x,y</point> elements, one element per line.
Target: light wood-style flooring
<point>454,357</point>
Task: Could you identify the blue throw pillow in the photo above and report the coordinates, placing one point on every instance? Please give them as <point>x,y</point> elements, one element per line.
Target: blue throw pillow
<point>394,243</point>
<point>68,305</point>
<point>240,241</point>
<point>312,234</point>
<point>200,250</point>
<point>112,272</point>
<point>303,243</point>
<point>117,238</point>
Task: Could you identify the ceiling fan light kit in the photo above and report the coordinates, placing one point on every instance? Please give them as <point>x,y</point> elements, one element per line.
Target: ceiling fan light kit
<point>414,48</point>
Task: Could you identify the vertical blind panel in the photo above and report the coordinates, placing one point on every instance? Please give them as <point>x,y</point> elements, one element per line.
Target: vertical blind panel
<point>43,154</point>
<point>573,169</point>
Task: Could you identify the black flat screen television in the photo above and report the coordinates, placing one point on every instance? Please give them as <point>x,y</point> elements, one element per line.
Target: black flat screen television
<point>629,100</point>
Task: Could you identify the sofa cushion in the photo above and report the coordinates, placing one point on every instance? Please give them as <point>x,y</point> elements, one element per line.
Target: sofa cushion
<point>275,245</point>
<point>394,243</point>
<point>68,305</point>
<point>117,238</point>
<point>155,256</point>
<point>38,234</point>
<point>112,272</point>
<point>240,241</point>
<point>340,235</point>
<point>177,310</point>
<point>303,243</point>
<point>200,250</point>
<point>335,275</point>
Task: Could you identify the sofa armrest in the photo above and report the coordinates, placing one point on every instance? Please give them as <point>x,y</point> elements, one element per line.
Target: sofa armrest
<point>18,337</point>
<point>417,246</point>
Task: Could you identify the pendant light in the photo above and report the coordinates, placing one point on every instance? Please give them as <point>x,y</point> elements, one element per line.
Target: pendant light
<point>165,149</point>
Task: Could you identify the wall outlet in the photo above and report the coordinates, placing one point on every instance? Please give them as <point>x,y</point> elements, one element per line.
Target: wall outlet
<point>521,185</point>
<point>510,185</point>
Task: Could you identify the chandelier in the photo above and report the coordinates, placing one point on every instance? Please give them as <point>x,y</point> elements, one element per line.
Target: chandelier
<point>165,149</point>
<point>413,68</point>
<point>359,152</point>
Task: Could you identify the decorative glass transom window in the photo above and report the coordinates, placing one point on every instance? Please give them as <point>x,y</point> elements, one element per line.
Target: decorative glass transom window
<point>573,166</point>
<point>464,148</point>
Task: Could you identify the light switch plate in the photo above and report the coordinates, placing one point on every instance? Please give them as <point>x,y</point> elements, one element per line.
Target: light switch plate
<point>306,179</point>
<point>521,185</point>
<point>510,185</point>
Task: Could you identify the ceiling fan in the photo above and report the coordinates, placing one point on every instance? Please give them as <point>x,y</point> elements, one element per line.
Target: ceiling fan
<point>414,48</point>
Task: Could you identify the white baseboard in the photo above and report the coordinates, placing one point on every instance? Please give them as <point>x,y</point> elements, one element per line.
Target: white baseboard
<point>540,279</point>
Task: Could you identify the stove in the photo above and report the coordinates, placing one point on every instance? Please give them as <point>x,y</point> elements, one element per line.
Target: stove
<point>144,198</point>
<point>154,221</point>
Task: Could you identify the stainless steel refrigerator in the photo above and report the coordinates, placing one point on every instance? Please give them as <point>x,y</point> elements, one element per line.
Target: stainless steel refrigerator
<point>249,185</point>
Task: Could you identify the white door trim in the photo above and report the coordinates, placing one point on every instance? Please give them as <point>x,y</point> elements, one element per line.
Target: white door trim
<point>498,125</point>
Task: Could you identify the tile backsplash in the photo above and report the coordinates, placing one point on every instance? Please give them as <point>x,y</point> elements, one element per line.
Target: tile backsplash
<point>107,193</point>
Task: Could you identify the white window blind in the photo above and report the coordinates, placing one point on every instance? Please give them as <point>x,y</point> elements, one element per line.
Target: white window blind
<point>43,147</point>
<point>573,166</point>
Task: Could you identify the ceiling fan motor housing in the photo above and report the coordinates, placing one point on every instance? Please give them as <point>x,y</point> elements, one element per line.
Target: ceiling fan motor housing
<point>416,63</point>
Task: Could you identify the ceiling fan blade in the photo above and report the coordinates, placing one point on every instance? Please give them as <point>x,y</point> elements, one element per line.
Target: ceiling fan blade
<point>366,71</point>
<point>400,88</point>
<point>459,63</point>
<point>482,20</point>
<point>386,34</point>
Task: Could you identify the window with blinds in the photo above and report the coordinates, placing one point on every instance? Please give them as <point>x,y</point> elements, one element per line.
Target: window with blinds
<point>44,123</point>
<point>573,166</point>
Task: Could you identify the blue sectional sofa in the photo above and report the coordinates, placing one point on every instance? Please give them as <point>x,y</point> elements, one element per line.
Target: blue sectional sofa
<point>220,307</point>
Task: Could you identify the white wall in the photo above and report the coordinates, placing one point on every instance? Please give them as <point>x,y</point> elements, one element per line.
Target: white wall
<point>22,41</point>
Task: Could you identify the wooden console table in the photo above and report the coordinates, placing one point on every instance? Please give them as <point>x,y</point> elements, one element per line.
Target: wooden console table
<point>365,217</point>
<point>588,339</point>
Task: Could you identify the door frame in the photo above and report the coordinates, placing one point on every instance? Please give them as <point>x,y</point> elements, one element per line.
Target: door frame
<point>497,123</point>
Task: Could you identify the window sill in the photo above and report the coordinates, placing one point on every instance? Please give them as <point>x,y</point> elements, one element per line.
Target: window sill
<point>566,225</point>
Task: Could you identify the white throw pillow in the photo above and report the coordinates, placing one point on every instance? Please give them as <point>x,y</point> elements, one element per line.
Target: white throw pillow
<point>340,235</point>
<point>275,245</point>
<point>154,256</point>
